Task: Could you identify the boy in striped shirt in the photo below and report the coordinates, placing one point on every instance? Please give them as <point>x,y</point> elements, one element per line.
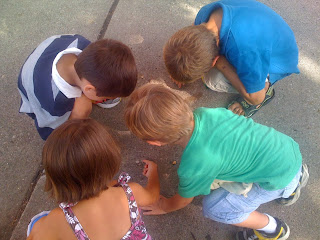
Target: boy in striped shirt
<point>66,74</point>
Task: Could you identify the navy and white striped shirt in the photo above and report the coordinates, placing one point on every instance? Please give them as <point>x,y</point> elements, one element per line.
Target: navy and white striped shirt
<point>41,99</point>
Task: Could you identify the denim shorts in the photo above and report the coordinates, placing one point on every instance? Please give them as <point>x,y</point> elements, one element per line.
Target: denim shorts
<point>225,207</point>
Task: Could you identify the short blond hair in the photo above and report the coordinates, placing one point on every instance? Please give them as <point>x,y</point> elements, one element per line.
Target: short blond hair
<point>189,53</point>
<point>156,113</point>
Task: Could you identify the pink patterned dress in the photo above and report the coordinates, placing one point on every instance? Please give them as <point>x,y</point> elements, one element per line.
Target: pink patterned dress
<point>137,230</point>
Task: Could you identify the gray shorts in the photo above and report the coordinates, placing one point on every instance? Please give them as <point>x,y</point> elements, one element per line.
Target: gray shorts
<point>216,81</point>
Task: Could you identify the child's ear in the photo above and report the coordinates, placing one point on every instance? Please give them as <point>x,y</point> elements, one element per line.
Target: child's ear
<point>156,143</point>
<point>90,91</point>
<point>215,60</point>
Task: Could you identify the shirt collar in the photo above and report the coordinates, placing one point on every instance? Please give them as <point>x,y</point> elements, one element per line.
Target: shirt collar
<point>68,90</point>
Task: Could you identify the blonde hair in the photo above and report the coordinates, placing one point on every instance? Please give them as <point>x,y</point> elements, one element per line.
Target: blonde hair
<point>155,113</point>
<point>190,52</point>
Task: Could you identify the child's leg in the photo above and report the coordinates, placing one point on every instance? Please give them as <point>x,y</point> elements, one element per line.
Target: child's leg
<point>230,208</point>
<point>256,220</point>
<point>216,81</point>
<point>275,229</point>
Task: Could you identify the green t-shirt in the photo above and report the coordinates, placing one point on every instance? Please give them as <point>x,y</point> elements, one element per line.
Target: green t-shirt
<point>229,147</point>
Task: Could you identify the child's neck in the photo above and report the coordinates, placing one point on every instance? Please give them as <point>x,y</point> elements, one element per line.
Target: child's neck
<point>214,23</point>
<point>185,140</point>
<point>65,67</point>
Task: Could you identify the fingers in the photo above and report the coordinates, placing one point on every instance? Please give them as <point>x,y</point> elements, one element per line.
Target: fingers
<point>146,161</point>
<point>149,163</point>
<point>238,111</point>
<point>149,213</point>
<point>152,210</point>
<point>236,108</point>
<point>179,84</point>
<point>147,208</point>
<point>150,167</point>
<point>146,167</point>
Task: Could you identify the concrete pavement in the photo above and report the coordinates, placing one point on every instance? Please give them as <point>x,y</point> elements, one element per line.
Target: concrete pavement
<point>145,26</point>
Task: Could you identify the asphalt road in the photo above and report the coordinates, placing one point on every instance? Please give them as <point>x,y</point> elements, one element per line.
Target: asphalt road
<point>145,26</point>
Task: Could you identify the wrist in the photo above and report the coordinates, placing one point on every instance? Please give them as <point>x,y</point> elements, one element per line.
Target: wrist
<point>162,204</point>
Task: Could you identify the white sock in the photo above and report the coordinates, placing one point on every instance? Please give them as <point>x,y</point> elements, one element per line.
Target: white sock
<point>271,227</point>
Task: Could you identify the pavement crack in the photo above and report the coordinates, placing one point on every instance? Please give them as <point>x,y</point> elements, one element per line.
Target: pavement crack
<point>108,19</point>
<point>27,197</point>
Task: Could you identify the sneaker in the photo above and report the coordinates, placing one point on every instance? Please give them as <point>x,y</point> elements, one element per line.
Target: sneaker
<point>296,194</point>
<point>110,103</point>
<point>282,233</point>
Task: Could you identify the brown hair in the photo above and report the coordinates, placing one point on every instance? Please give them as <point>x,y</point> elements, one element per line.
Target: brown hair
<point>155,113</point>
<point>190,52</point>
<point>80,158</point>
<point>109,66</point>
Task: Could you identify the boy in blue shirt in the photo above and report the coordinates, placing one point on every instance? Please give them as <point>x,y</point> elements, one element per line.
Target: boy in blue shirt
<point>66,74</point>
<point>234,46</point>
<point>220,145</point>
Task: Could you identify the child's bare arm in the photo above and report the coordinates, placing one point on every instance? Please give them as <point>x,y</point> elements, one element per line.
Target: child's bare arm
<point>230,73</point>
<point>82,108</point>
<point>150,193</point>
<point>166,205</point>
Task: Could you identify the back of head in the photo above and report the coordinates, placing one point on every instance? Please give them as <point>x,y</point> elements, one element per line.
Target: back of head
<point>189,53</point>
<point>80,158</point>
<point>156,113</point>
<point>109,66</point>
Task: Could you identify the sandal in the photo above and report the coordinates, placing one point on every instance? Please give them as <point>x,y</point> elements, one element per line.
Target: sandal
<point>249,109</point>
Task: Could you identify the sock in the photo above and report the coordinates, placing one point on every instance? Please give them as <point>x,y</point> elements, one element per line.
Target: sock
<point>271,227</point>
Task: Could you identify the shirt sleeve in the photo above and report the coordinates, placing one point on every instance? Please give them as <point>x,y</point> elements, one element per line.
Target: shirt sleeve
<point>195,186</point>
<point>82,42</point>
<point>205,13</point>
<point>252,68</point>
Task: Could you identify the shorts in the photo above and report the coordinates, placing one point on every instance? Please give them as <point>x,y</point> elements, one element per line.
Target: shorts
<point>225,207</point>
<point>216,81</point>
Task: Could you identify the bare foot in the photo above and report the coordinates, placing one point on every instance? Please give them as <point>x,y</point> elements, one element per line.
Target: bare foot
<point>236,108</point>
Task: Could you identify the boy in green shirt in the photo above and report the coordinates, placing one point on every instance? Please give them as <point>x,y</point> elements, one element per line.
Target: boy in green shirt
<point>219,144</point>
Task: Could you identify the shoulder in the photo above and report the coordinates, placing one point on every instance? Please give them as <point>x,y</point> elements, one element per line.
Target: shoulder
<point>135,187</point>
<point>116,192</point>
<point>205,12</point>
<point>211,113</point>
<point>47,227</point>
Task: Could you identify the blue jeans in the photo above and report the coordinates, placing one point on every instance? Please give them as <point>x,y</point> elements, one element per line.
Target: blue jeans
<point>223,206</point>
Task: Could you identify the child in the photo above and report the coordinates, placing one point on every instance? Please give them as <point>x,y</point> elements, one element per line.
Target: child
<point>248,44</point>
<point>80,159</point>
<point>66,73</point>
<point>219,144</point>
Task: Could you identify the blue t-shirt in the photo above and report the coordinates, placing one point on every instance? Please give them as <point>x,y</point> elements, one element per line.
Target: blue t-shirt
<point>255,40</point>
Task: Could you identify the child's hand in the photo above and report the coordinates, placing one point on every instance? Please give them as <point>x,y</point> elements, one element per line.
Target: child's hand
<point>179,84</point>
<point>155,209</point>
<point>149,168</point>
